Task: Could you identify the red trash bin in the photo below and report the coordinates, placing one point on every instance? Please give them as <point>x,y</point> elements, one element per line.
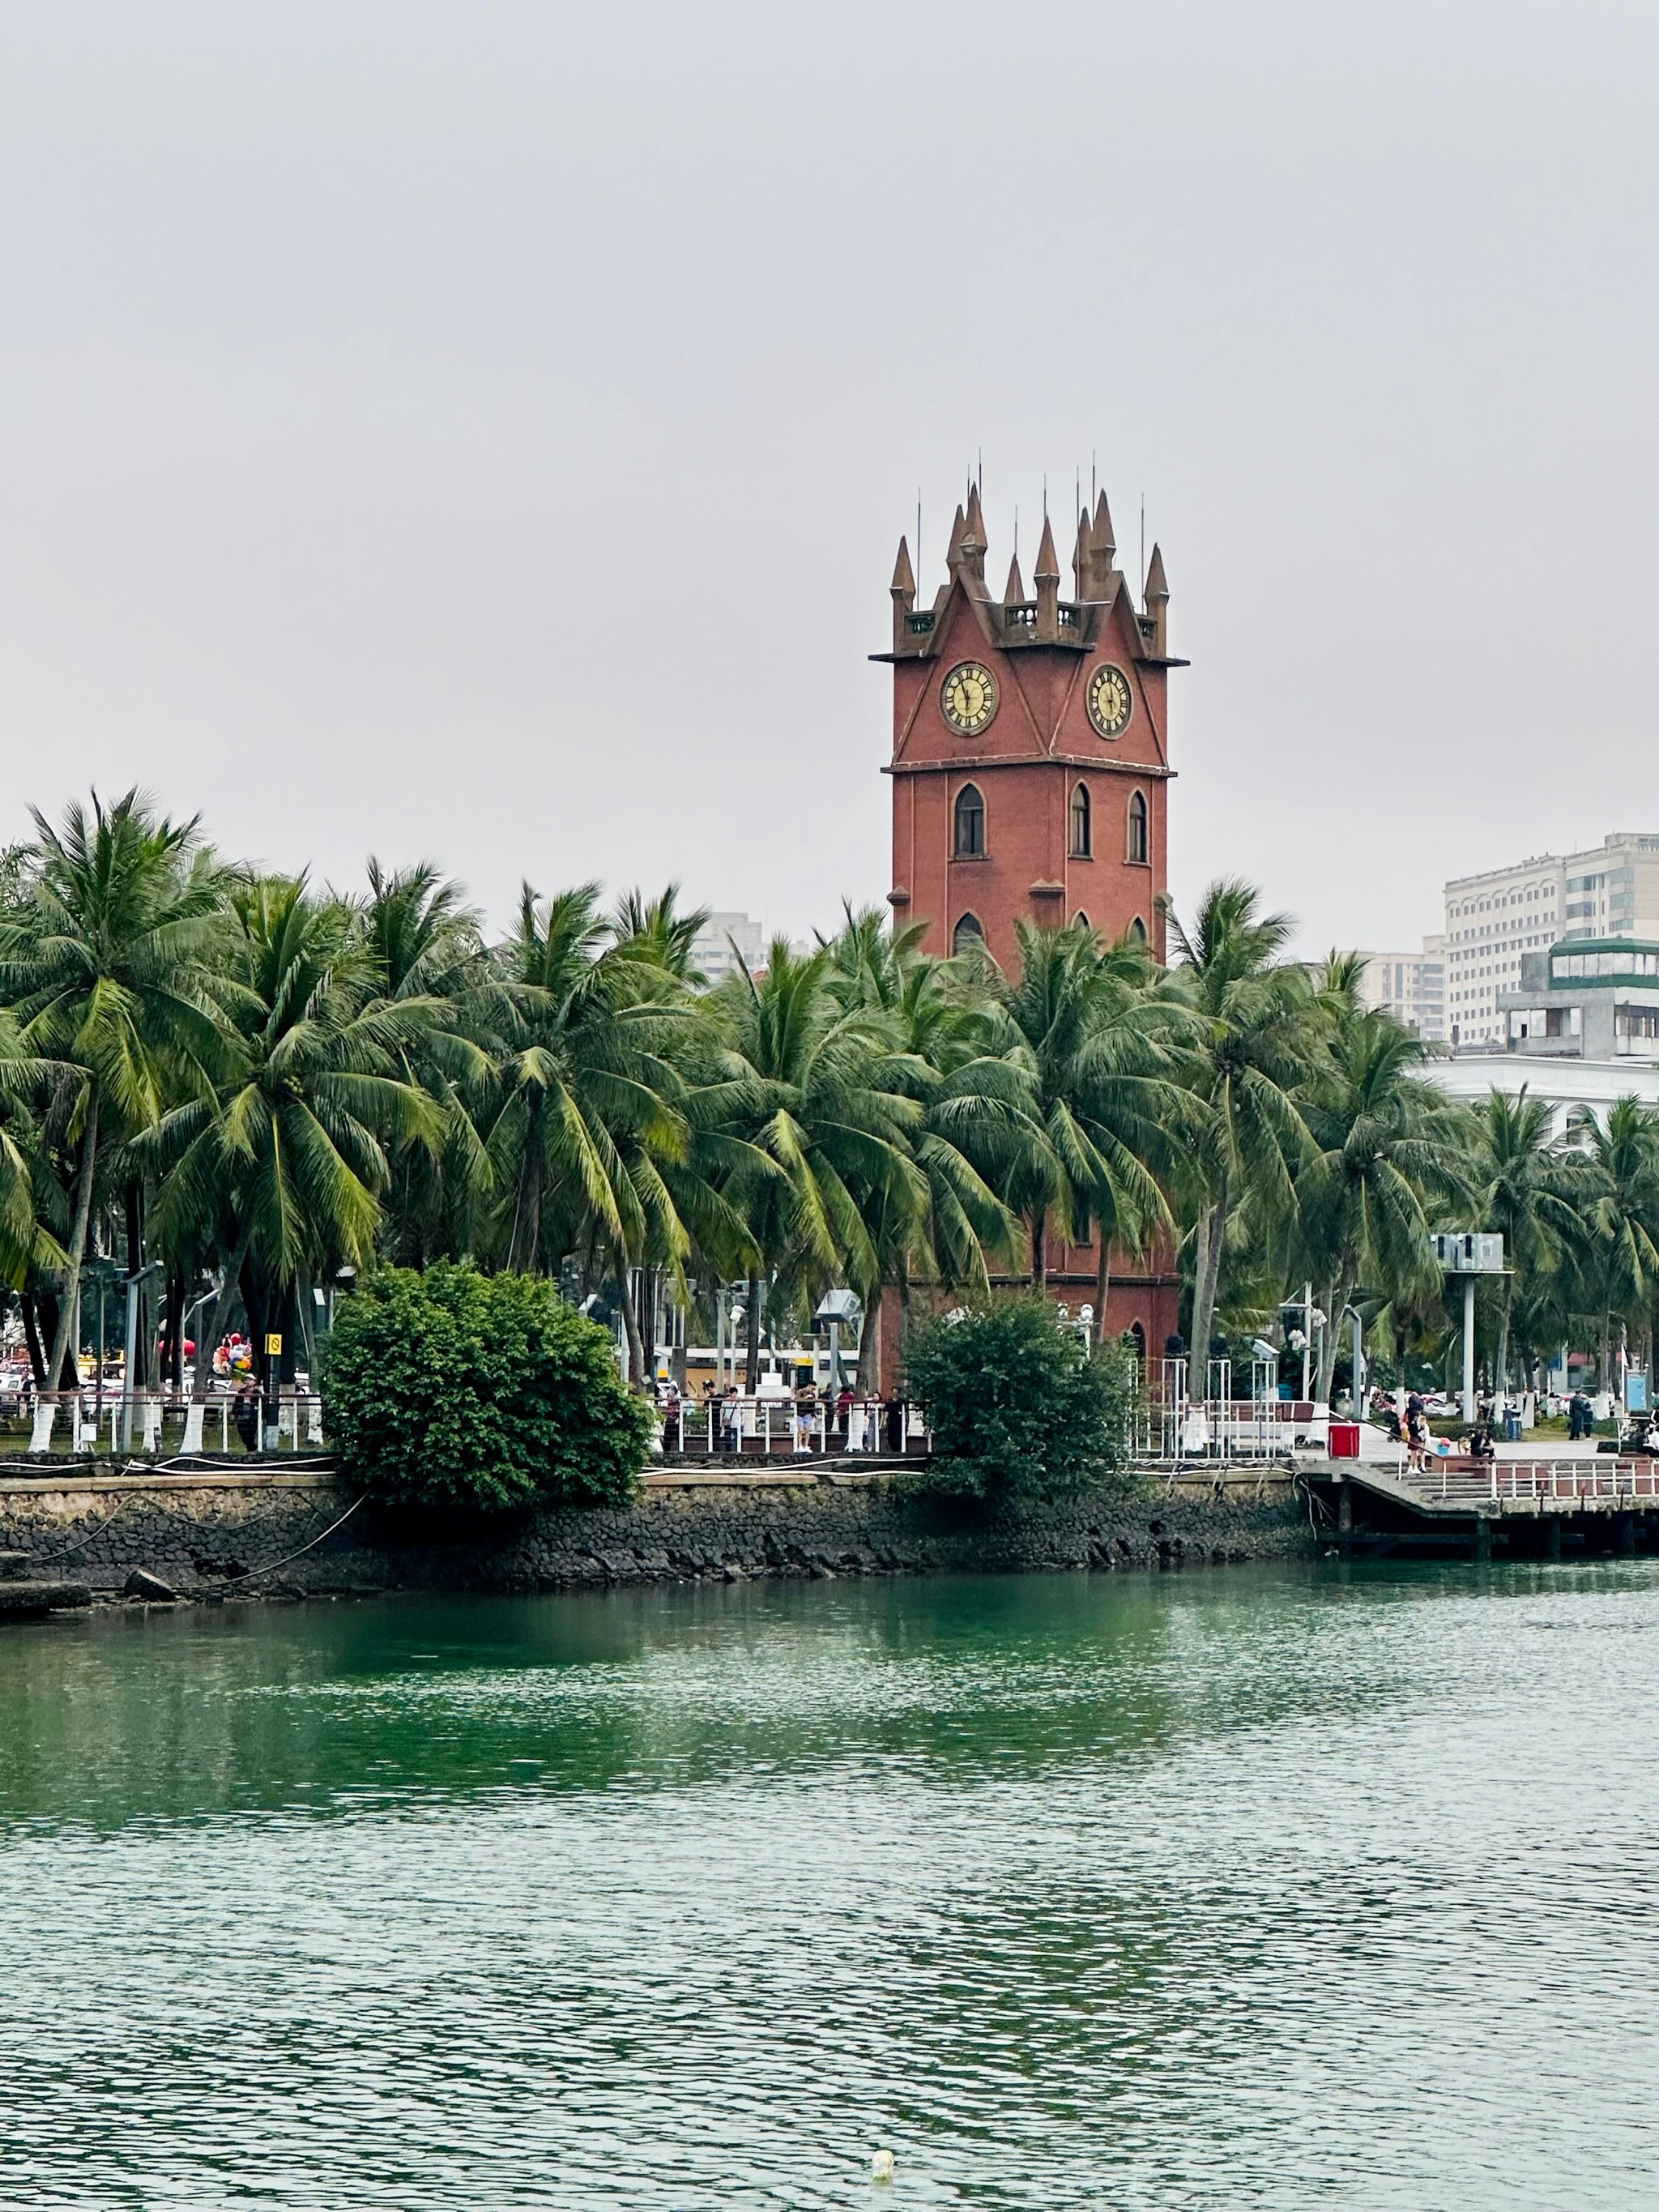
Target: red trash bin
<point>1345,1440</point>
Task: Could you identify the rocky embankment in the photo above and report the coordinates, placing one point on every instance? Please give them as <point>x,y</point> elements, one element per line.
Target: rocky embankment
<point>218,1532</point>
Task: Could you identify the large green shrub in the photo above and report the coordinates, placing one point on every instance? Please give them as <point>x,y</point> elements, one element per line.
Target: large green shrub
<point>452,1389</point>
<point>1018,1406</point>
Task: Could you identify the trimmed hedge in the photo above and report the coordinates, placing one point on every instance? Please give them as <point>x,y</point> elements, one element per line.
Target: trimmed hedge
<point>1018,1406</point>
<point>447,1389</point>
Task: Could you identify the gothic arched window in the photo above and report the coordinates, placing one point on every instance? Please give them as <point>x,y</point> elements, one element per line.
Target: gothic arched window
<point>970,824</point>
<point>966,933</point>
<point>1081,846</point>
<point>1138,931</point>
<point>1137,831</point>
<point>1081,921</point>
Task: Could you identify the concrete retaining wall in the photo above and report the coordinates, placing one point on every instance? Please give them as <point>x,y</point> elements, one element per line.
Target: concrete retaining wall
<point>207,1533</point>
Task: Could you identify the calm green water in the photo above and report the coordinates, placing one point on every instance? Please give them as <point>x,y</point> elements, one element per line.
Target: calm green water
<point>1281,1889</point>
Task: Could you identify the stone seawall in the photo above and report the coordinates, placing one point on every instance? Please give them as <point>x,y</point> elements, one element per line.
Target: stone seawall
<point>211,1533</point>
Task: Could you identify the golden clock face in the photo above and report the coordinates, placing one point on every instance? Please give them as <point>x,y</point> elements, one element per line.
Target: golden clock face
<point>1110,700</point>
<point>967,698</point>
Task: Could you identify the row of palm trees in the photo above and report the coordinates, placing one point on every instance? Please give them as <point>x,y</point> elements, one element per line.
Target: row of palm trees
<point>260,1083</point>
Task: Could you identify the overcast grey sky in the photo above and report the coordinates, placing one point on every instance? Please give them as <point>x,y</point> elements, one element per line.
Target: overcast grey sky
<point>482,430</point>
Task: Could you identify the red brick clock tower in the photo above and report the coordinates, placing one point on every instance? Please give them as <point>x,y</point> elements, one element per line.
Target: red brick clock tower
<point>1029,761</point>
<point>1030,770</point>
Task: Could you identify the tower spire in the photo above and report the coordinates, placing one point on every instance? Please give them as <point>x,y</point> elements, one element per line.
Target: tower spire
<point>953,551</point>
<point>1082,558</point>
<point>972,546</point>
<point>903,589</point>
<point>1103,549</point>
<point>1047,580</point>
<point>1158,603</point>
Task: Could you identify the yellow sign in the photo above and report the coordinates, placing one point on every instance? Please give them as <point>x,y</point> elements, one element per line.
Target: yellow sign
<point>273,1346</point>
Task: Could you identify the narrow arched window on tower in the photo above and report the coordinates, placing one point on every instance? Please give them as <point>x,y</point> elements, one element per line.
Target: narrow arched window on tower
<point>1081,920</point>
<point>1081,847</point>
<point>1137,832</point>
<point>969,824</point>
<point>966,933</point>
<point>1138,931</point>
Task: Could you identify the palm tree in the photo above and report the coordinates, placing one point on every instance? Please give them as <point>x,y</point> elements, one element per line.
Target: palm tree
<point>281,1163</point>
<point>810,1088</point>
<point>103,962</point>
<point>1253,1044</point>
<point>588,1116</point>
<point>979,1120</point>
<point>424,943</point>
<point>1388,1149</point>
<point>1622,1248</point>
<point>1530,1189</point>
<point>1094,1027</point>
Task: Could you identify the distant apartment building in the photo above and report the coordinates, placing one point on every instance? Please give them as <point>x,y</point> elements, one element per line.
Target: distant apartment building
<point>1412,986</point>
<point>715,948</point>
<point>1494,918</point>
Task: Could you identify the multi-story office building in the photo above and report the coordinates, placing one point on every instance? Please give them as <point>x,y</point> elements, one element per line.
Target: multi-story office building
<point>1496,918</point>
<point>1412,986</point>
<point>716,946</point>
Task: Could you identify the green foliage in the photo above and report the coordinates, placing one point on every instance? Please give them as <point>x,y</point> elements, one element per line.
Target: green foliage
<point>1019,1407</point>
<point>452,1389</point>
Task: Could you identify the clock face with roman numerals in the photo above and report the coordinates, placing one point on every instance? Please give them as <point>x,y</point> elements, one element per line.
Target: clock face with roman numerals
<point>1110,700</point>
<point>967,698</point>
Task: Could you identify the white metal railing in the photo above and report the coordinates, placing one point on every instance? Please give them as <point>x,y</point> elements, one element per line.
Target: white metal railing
<point>1176,1427</point>
<point>759,1425</point>
<point>1552,1482</point>
<point>156,1422</point>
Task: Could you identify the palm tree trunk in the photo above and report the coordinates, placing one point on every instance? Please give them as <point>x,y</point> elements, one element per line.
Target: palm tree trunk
<point>32,1337</point>
<point>527,1211</point>
<point>636,1365</point>
<point>1103,1279</point>
<point>1325,1375</point>
<point>1206,1292</point>
<point>77,1251</point>
<point>869,1375</point>
<point>1039,1266</point>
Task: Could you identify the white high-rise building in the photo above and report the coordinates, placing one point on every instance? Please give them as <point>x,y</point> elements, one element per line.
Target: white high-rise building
<point>1412,986</point>
<point>1496,916</point>
<point>713,951</point>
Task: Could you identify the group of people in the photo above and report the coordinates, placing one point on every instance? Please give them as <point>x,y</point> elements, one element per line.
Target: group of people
<point>1414,1432</point>
<point>847,1422</point>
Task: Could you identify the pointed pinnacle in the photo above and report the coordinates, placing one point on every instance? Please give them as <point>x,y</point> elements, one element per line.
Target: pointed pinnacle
<point>1080,554</point>
<point>1104,543</point>
<point>1048,566</point>
<point>1015,594</point>
<point>958,529</point>
<point>904,579</point>
<point>1157,585</point>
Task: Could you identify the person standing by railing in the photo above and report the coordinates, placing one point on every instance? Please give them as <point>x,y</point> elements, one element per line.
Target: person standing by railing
<point>806,1407</point>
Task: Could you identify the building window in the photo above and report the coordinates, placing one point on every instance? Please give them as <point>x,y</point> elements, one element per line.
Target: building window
<point>1137,831</point>
<point>1081,920</point>
<point>970,826</point>
<point>1138,931</point>
<point>1081,847</point>
<point>966,933</point>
